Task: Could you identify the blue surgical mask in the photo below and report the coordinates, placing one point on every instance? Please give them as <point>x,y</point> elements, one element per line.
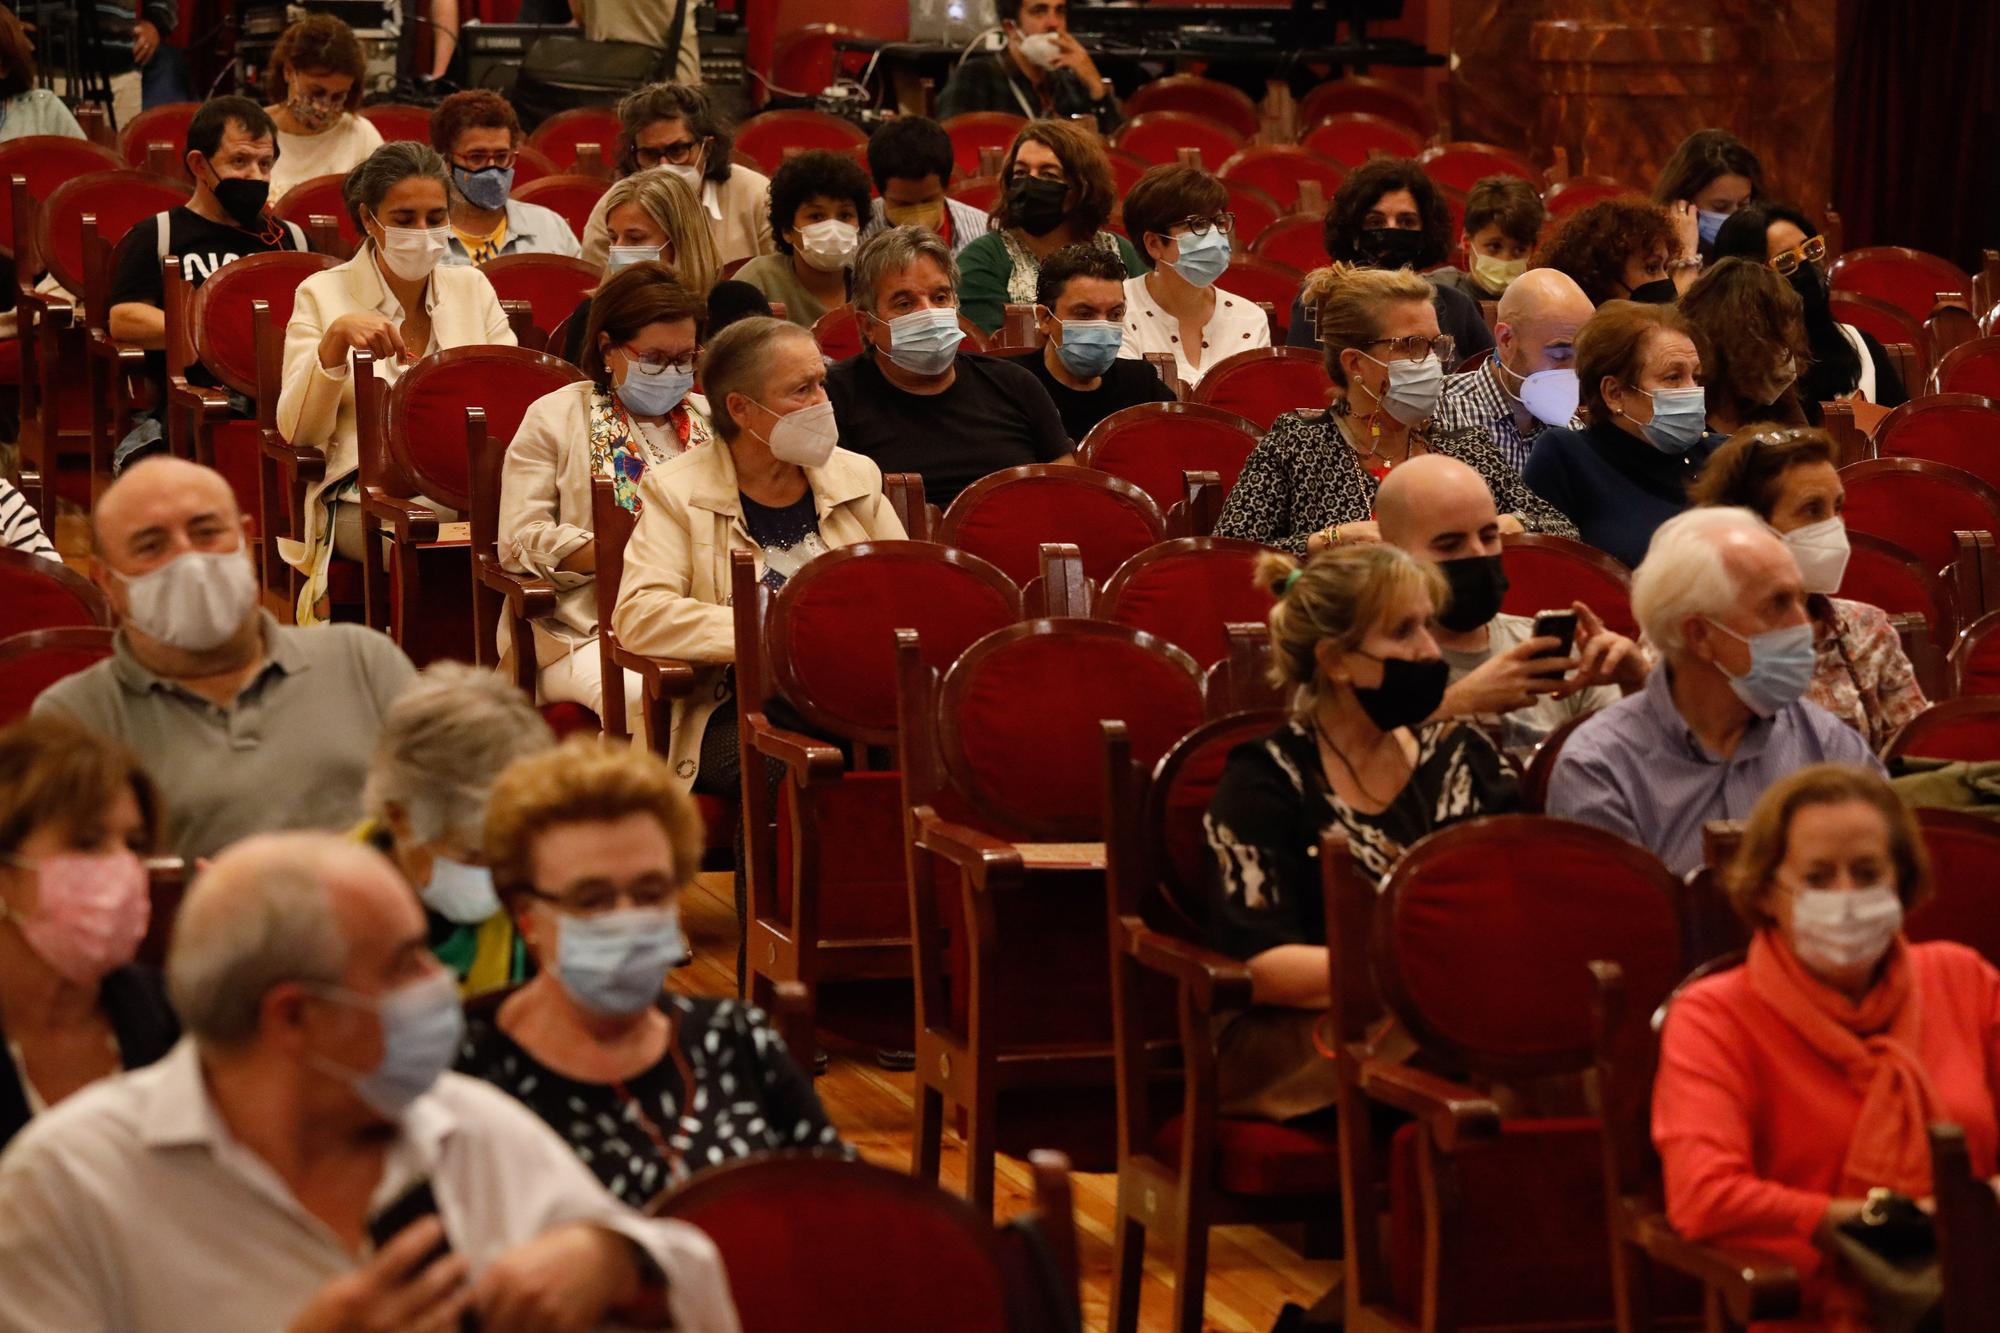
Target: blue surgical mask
<point>460,893</point>
<point>616,962</point>
<point>1781,667</point>
<point>1709,224</point>
<point>654,391</point>
<point>924,342</point>
<point>1679,417</point>
<point>1203,258</point>
<point>1551,396</point>
<point>1089,346</point>
<point>422,1025</point>
<point>485,188</point>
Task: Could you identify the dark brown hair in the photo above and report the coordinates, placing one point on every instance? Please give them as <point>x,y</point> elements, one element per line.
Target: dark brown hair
<point>316,44</point>
<point>1614,343</point>
<point>1595,244</point>
<point>474,109</point>
<point>1751,317</point>
<point>56,771</point>
<point>1507,202</point>
<point>630,299</point>
<point>672,101</point>
<point>1166,196</point>
<point>1084,166</point>
<point>1750,469</point>
<point>1702,157</point>
<point>1747,878</point>
<point>17,56</point>
<point>1363,188</point>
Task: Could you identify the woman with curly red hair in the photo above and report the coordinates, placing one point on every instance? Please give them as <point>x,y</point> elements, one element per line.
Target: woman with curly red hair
<point>1622,250</point>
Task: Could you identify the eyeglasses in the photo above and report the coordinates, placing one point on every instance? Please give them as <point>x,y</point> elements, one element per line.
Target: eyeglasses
<point>660,360</point>
<point>1416,346</point>
<point>1812,251</point>
<point>678,154</point>
<point>1203,226</point>
<point>596,896</point>
<point>503,159</point>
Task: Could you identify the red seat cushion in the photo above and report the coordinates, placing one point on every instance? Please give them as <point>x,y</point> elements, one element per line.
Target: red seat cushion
<point>567,719</point>
<point>1264,1156</point>
<point>718,821</point>
<point>863,893</point>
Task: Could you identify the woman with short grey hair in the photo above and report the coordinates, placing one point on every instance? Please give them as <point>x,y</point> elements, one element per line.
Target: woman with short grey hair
<point>442,745</point>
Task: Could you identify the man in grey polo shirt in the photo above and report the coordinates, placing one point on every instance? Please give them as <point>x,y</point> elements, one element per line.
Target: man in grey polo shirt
<point>1722,716</point>
<point>246,725</point>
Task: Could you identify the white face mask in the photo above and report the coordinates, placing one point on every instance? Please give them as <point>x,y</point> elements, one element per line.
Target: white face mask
<point>1041,49</point>
<point>805,437</point>
<point>624,256</point>
<point>194,602</point>
<point>1820,551</point>
<point>1837,930</point>
<point>412,252</point>
<point>690,176</point>
<point>830,244</point>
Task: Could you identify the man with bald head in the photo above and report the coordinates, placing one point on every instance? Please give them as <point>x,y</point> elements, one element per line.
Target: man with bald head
<point>260,1176</point>
<point>1438,509</point>
<point>1529,382</point>
<point>247,725</point>
<point>1724,714</point>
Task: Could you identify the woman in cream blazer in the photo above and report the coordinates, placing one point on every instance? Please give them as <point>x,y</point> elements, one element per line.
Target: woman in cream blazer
<point>393,300</point>
<point>773,483</point>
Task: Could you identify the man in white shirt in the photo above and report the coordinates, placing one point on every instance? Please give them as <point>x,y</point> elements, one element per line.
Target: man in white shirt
<point>236,1184</point>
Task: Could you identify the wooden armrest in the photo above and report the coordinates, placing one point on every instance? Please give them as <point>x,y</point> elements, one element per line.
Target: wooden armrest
<point>1215,981</point>
<point>665,677</point>
<point>300,462</point>
<point>205,401</point>
<point>809,762</point>
<point>1753,1286</point>
<point>526,595</point>
<point>988,862</point>
<point>1457,1116</point>
<point>408,521</point>
<point>130,357</point>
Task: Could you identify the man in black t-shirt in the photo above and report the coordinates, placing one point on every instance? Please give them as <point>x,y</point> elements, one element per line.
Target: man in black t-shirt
<point>1080,295</point>
<point>909,401</point>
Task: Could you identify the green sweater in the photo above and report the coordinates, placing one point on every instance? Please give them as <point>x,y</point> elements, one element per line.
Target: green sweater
<point>995,270</point>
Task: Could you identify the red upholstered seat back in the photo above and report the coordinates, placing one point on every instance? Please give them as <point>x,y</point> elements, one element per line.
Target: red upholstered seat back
<point>1976,659</point>
<point>117,199</point>
<point>838,334</point>
<point>1255,279</point>
<point>1352,137</point>
<point>1185,591</point>
<point>1970,367</point>
<point>831,635</point>
<point>1265,384</point>
<point>1487,930</point>
<point>1965,882</point>
<point>1183,784</point>
<point>844,1247</point>
<point>1006,517</point>
<point>1375,96</point>
<point>1277,170</point>
<point>1883,574</point>
<point>1886,322</point>
<point>551,284</point>
<point>1961,429</point>
<point>1966,729</point>
<point>570,194</point>
<point>1459,166</point>
<point>1256,211</point>
<point>559,135</point>
<point>1197,96</point>
<point>1152,444</point>
<point>1547,573</point>
<point>1565,197</point>
<point>224,339</point>
<point>318,197</point>
<point>167,124</point>
<point>1905,278</point>
<point>1297,241</point>
<point>1918,505</point>
<point>426,410</point>
<point>1158,137</point>
<point>1019,714</point>
<point>44,594</point>
<point>399,120</point>
<point>767,135</point>
<point>975,130</point>
<point>46,161</point>
<point>31,662</point>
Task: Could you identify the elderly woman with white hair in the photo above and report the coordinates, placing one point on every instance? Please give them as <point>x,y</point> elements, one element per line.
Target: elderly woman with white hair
<point>1723,715</point>
<point>442,745</point>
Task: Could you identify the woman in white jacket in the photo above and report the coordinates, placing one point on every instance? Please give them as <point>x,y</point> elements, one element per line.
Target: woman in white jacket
<point>392,300</point>
<point>633,412</point>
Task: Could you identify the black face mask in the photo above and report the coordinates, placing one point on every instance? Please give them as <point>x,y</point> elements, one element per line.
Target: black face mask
<point>1659,292</point>
<point>1810,284</point>
<point>1478,586</point>
<point>1410,691</point>
<point>1390,247</point>
<point>243,200</point>
<point>1036,205</point>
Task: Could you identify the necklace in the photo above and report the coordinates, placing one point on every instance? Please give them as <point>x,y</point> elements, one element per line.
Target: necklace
<point>1345,425</point>
<point>1319,730</point>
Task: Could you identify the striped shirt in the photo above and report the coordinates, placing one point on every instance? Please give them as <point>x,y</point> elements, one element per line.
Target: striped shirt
<point>1475,398</point>
<point>1637,770</point>
<point>20,526</point>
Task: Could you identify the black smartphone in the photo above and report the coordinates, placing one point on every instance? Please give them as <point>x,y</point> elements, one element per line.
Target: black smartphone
<point>1556,625</point>
<point>411,1206</point>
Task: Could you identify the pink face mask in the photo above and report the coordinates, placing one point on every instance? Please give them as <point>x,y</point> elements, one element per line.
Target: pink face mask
<point>91,911</point>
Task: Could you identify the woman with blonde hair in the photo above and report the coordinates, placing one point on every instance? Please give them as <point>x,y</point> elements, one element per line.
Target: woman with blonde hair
<point>651,216</point>
<point>1793,1088</point>
<point>1310,482</point>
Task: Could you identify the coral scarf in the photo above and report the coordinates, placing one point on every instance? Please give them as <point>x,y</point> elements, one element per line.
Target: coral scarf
<point>1874,1044</point>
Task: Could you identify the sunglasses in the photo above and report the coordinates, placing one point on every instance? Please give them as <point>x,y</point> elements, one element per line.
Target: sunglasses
<point>1813,251</point>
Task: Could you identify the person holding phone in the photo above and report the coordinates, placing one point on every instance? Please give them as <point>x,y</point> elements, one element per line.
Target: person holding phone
<point>1042,71</point>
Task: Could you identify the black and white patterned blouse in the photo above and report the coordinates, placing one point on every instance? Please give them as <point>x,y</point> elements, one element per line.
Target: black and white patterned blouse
<point>1274,804</point>
<point>1303,477</point>
<point>748,1097</point>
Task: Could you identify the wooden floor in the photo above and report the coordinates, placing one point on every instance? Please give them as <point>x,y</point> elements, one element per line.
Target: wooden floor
<point>1251,1274</point>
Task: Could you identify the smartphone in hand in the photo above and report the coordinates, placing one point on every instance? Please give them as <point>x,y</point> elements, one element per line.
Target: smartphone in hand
<point>1556,625</point>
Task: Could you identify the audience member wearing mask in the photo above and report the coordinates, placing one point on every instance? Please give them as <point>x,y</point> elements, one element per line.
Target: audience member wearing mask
<point>1058,192</point>
<point>1181,216</point>
<point>651,216</point>
<point>1786,476</point>
<point>442,744</point>
<point>912,160</point>
<point>479,136</point>
<point>1845,360</point>
<point>315,89</point>
<point>1639,371</point>
<point>1709,177</point>
<point>634,411</point>
<point>1724,714</point>
<point>1793,1086</point>
<point>1080,311</point>
<point>1754,331</point>
<point>1622,249</point>
<point>258,726</point>
<point>1043,72</point>
<point>909,402</point>
<point>676,129</point>
<point>1503,223</point>
<point>76,814</point>
<point>394,300</point>
<point>232,1184</point>
<point>1515,685</point>
<point>593,847</point>
<point>1311,481</point>
<point>776,478</point>
<point>1351,644</point>
<point>1388,214</point>
<point>818,200</point>
<point>1529,383</point>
